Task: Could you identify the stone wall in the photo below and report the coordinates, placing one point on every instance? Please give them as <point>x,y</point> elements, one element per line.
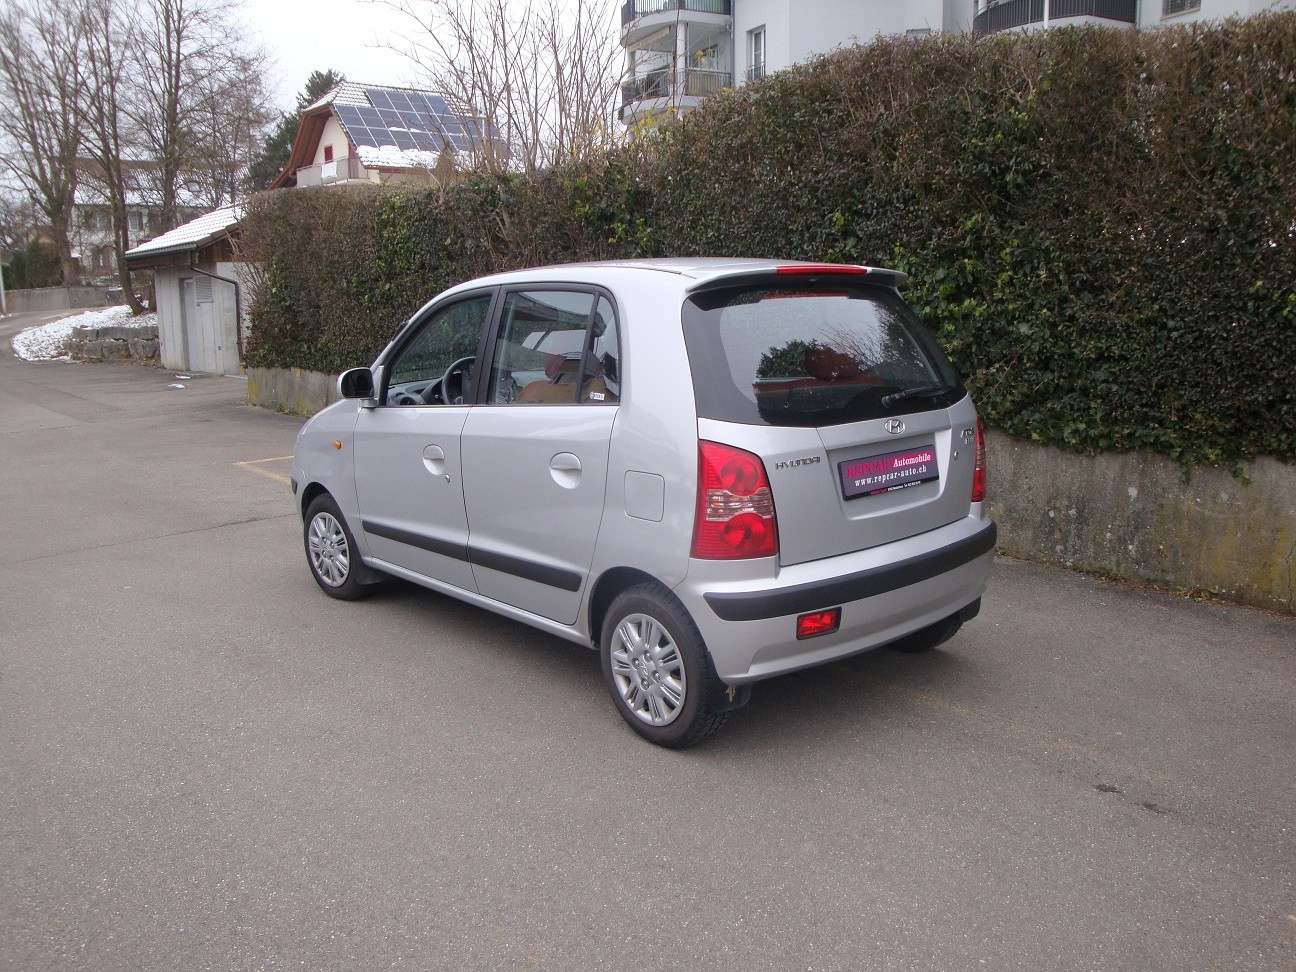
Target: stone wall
<point>291,390</point>
<point>1130,515</point>
<point>60,298</point>
<point>113,343</point>
<point>1136,515</point>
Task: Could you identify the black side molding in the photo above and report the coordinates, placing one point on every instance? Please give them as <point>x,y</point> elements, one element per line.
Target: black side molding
<point>457,551</point>
<point>565,580</point>
<point>853,587</point>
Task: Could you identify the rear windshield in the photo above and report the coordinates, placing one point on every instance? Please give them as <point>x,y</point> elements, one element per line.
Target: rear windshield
<point>771,353</point>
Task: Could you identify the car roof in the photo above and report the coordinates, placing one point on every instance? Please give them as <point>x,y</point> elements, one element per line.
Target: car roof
<point>696,271</point>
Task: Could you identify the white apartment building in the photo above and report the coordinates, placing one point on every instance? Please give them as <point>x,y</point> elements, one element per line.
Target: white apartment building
<point>996,15</point>
<point>680,51</point>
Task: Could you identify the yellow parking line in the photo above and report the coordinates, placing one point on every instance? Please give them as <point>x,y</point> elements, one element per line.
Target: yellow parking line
<point>253,465</point>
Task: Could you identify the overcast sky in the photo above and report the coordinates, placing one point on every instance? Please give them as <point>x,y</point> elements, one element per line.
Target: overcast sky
<point>314,35</point>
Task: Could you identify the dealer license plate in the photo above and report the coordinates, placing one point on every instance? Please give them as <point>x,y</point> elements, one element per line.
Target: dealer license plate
<point>890,471</point>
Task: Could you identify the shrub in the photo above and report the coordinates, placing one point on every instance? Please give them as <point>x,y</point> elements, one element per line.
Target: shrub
<point>1099,225</point>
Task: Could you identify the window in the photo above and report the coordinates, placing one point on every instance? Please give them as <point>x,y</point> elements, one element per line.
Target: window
<point>778,354</point>
<point>1169,7</point>
<point>756,54</point>
<point>602,376</point>
<point>328,153</point>
<point>554,345</point>
<point>450,335</point>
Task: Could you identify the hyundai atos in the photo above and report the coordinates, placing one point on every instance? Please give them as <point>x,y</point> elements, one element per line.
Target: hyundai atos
<point>711,471</point>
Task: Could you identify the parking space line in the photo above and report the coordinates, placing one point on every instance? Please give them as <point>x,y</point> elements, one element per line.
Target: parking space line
<point>254,465</point>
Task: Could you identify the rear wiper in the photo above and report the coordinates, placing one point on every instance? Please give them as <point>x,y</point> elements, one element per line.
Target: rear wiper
<point>921,391</point>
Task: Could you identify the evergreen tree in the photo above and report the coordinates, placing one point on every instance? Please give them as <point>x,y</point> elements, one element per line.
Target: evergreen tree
<point>278,146</point>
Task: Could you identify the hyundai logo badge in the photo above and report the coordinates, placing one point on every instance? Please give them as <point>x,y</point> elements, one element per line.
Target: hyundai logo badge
<point>894,426</point>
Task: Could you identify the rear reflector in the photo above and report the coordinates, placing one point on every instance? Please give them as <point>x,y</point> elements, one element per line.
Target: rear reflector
<point>803,269</point>
<point>818,623</point>
<point>735,509</point>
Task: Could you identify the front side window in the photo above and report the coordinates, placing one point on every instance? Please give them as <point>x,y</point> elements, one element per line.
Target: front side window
<point>448,337</point>
<point>778,354</point>
<point>555,347</point>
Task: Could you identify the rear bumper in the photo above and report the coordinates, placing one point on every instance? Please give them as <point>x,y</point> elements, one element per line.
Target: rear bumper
<point>886,592</point>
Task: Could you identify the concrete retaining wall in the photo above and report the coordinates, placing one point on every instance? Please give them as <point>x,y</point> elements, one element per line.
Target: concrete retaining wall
<point>291,389</point>
<point>1134,515</point>
<point>57,298</point>
<point>1131,515</point>
<point>113,343</point>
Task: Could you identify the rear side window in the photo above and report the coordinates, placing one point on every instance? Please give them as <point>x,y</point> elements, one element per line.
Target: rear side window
<point>771,353</point>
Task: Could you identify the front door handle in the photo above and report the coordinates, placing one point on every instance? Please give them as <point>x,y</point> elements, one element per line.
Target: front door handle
<point>434,459</point>
<point>565,469</point>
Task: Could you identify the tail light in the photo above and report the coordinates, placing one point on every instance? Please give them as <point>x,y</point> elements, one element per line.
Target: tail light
<point>979,472</point>
<point>735,509</point>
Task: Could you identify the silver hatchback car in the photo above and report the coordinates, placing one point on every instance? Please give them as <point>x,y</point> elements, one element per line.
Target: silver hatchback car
<point>712,471</point>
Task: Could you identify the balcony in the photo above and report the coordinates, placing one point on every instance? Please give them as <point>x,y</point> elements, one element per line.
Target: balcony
<point>345,169</point>
<point>632,10</point>
<point>1009,14</point>
<point>655,91</point>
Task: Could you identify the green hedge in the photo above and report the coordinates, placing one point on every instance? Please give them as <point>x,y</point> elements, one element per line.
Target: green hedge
<point>1100,225</point>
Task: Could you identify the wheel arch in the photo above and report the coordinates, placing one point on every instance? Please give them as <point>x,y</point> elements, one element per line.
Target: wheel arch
<point>610,584</point>
<point>309,495</point>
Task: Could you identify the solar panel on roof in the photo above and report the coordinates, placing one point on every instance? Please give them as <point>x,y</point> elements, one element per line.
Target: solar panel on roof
<point>411,121</point>
<point>426,142</point>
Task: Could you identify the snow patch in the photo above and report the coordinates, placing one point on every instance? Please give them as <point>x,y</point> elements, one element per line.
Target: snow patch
<point>45,341</point>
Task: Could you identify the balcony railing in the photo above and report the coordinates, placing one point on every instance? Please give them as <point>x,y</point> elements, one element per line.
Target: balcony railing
<point>699,83</point>
<point>756,71</point>
<point>693,83</point>
<point>1020,13</point>
<point>654,85</point>
<point>632,10</point>
<point>339,170</point>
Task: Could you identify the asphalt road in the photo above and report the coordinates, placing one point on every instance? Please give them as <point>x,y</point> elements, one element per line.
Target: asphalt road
<point>207,764</point>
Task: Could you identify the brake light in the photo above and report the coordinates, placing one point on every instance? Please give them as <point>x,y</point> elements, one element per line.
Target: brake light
<point>803,269</point>
<point>735,508</point>
<point>979,472</point>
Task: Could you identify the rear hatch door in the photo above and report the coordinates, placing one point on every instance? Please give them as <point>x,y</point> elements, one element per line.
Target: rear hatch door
<point>864,427</point>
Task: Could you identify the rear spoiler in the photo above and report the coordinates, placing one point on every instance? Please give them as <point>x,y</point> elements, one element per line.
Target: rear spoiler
<point>879,276</point>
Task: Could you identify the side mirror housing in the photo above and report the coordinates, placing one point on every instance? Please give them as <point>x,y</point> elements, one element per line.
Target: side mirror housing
<point>356,383</point>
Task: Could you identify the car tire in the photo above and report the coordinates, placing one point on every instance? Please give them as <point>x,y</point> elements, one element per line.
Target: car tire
<point>658,671</point>
<point>925,639</point>
<point>331,551</point>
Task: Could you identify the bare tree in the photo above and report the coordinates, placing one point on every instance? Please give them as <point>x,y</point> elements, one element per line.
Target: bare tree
<point>540,78</point>
<point>191,61</point>
<point>234,113</point>
<point>42,44</point>
<point>17,221</point>
<point>109,79</point>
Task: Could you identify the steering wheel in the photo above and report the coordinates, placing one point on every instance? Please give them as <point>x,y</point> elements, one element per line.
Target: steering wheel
<point>443,389</point>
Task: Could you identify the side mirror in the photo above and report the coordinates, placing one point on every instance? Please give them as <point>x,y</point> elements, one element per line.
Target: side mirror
<point>356,383</point>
